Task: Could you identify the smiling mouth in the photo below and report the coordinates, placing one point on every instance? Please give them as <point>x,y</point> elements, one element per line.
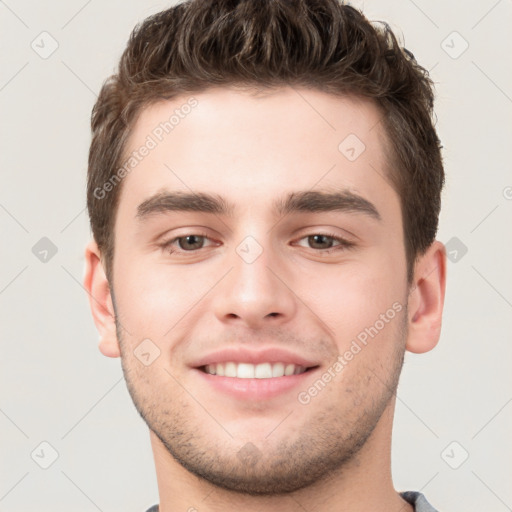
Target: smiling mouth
<point>254,371</point>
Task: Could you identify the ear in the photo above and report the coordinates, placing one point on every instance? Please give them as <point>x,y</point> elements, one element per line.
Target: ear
<point>100,301</point>
<point>426,300</point>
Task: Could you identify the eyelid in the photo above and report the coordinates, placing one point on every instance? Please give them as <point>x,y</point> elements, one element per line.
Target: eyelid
<point>342,243</point>
<point>165,244</point>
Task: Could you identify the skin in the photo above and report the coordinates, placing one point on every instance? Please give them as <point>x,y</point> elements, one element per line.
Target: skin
<point>216,452</point>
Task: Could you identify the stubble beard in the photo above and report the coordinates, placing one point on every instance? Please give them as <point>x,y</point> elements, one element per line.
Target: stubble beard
<point>325,444</point>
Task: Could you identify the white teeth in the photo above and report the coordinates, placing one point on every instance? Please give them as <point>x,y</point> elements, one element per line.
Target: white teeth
<point>278,370</point>
<point>244,371</point>
<point>263,371</point>
<point>251,371</point>
<point>289,369</point>
<point>230,370</point>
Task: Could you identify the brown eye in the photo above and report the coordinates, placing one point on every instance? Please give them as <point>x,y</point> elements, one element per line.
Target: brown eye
<point>191,242</point>
<point>325,242</point>
<point>187,244</point>
<point>320,241</point>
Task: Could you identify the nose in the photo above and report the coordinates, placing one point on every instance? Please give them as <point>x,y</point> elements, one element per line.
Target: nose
<point>257,293</point>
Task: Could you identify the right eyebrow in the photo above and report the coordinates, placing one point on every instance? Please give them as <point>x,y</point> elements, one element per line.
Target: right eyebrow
<point>163,202</point>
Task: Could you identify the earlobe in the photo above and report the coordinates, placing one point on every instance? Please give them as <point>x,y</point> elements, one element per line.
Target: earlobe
<point>109,347</point>
<point>100,301</point>
<point>426,300</point>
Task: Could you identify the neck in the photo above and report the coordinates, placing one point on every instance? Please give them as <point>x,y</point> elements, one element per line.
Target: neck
<point>364,484</point>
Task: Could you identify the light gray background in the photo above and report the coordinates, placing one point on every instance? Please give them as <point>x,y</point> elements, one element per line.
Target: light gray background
<point>55,385</point>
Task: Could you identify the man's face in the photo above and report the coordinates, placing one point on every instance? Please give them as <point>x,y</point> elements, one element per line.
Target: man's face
<point>276,289</point>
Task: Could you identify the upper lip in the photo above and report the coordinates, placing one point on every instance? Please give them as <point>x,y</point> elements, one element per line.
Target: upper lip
<point>244,355</point>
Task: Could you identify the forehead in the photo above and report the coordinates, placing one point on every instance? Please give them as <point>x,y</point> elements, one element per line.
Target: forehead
<point>250,147</point>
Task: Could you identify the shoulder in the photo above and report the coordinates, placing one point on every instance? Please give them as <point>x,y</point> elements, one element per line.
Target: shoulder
<point>418,500</point>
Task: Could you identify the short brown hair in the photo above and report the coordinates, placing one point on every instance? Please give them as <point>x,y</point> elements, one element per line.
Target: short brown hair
<point>319,44</point>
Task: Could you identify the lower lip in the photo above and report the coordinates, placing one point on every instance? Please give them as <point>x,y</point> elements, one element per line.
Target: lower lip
<point>255,389</point>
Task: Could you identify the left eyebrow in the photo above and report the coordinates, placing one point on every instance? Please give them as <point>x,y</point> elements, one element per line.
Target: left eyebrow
<point>295,202</point>
<point>314,201</point>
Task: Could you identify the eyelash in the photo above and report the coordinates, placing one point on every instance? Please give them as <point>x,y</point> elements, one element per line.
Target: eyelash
<point>342,243</point>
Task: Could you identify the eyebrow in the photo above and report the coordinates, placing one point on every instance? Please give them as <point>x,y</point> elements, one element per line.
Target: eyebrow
<point>296,202</point>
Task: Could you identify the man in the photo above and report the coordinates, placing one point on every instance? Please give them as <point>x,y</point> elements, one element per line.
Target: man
<point>264,190</point>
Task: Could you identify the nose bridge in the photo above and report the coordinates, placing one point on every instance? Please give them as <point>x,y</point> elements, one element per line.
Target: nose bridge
<point>252,292</point>
<point>252,274</point>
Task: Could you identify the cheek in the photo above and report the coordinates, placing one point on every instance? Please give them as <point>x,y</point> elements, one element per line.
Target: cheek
<point>153,299</point>
<point>359,301</point>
